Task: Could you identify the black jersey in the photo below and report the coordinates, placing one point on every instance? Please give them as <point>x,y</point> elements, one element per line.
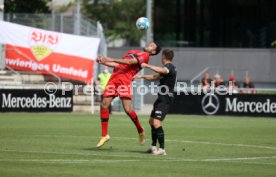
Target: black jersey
<point>168,80</point>
<point>165,97</point>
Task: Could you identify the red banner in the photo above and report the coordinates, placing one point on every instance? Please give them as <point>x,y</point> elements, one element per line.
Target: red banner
<point>31,49</point>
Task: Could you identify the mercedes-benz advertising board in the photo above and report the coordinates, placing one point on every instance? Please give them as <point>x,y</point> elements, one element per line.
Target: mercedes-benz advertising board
<point>261,105</point>
<point>20,100</point>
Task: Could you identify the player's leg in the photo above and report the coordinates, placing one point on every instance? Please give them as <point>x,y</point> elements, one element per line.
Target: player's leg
<point>105,114</point>
<point>153,130</point>
<point>153,133</point>
<point>157,124</point>
<point>153,136</point>
<point>160,134</point>
<point>104,120</point>
<point>133,116</point>
<point>158,115</point>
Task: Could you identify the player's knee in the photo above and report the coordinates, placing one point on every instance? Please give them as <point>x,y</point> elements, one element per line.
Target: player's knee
<point>104,105</point>
<point>128,111</point>
<point>156,124</point>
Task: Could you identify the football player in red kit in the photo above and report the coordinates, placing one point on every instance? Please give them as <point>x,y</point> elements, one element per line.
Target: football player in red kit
<point>119,84</point>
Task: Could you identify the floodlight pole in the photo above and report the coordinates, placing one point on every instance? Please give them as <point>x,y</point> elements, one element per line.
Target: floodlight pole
<point>149,16</point>
<point>148,40</point>
<point>1,10</point>
<point>77,21</point>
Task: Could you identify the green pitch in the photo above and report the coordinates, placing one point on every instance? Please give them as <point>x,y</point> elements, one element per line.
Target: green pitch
<point>57,145</point>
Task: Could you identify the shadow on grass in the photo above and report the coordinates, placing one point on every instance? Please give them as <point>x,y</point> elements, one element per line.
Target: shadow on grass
<point>100,149</point>
<point>111,149</point>
<point>136,151</point>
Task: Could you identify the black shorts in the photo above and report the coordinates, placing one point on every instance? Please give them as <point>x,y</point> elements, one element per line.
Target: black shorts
<point>161,107</point>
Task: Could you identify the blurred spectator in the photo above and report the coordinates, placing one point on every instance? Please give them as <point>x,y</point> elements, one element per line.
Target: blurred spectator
<point>233,85</point>
<point>248,86</point>
<point>218,80</point>
<point>103,79</point>
<point>206,81</point>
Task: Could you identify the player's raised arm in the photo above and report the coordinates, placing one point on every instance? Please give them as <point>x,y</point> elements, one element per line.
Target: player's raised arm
<point>158,69</point>
<point>100,60</point>
<point>147,77</point>
<point>121,61</point>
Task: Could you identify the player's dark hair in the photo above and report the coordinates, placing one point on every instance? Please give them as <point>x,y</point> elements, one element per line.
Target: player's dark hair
<point>158,48</point>
<point>168,54</point>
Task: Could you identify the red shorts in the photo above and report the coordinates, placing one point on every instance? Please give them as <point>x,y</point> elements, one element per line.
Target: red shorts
<point>118,87</point>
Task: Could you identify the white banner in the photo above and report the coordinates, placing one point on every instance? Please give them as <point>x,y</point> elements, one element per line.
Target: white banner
<point>65,55</point>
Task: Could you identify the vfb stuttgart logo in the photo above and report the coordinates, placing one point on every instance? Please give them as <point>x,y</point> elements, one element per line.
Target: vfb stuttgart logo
<point>43,43</point>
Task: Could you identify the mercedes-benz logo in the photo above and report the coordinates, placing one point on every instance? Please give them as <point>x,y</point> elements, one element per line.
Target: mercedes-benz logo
<point>210,104</point>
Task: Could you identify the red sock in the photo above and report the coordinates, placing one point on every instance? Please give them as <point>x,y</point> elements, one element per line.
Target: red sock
<point>136,121</point>
<point>104,121</point>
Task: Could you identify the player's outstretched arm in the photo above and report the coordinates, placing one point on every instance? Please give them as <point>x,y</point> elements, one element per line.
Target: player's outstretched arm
<point>121,61</point>
<point>147,77</point>
<point>110,64</point>
<point>106,63</point>
<point>158,69</point>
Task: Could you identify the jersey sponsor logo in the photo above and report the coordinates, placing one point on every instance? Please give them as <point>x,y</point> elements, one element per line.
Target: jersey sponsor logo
<point>43,43</point>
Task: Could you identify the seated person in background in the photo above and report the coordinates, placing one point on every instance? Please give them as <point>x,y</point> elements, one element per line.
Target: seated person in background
<point>218,80</point>
<point>233,85</point>
<point>206,81</point>
<point>247,84</point>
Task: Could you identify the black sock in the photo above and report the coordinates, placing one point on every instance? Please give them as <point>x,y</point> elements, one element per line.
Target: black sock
<point>161,137</point>
<point>153,136</point>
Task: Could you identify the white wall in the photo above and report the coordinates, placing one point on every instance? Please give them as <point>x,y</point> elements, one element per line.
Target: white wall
<point>260,63</point>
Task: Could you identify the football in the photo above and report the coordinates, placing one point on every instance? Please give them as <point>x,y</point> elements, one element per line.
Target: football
<point>142,23</point>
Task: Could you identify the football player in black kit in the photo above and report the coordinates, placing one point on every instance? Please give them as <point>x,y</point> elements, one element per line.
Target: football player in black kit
<point>167,78</point>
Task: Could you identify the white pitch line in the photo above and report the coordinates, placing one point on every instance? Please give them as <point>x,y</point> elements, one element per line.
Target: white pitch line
<point>44,160</point>
<point>260,163</point>
<point>169,140</point>
<point>79,154</point>
<point>210,143</point>
<point>225,144</point>
<point>237,159</point>
<point>78,161</point>
<point>149,157</point>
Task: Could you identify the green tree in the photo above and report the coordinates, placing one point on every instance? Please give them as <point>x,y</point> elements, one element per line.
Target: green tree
<point>30,6</point>
<point>118,17</point>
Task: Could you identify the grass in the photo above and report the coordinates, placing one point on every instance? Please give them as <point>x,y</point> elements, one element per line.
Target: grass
<point>267,92</point>
<point>50,145</point>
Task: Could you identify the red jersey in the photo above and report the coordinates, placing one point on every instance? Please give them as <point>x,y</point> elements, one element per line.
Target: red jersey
<point>120,80</point>
<point>129,71</point>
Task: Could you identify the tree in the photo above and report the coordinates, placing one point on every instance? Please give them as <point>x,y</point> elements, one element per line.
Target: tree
<point>118,17</point>
<point>30,6</point>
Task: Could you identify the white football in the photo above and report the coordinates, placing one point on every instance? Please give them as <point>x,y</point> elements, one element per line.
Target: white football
<point>142,23</point>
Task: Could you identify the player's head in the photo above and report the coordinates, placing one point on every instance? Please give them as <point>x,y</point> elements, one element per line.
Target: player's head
<point>167,55</point>
<point>153,48</point>
<point>105,70</point>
